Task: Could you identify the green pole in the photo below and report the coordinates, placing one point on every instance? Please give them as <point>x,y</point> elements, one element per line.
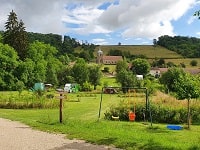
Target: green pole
<point>100,104</point>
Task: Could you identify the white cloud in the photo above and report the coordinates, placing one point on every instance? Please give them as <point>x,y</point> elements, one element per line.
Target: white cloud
<point>133,18</point>
<point>38,15</point>
<point>145,18</point>
<point>99,41</point>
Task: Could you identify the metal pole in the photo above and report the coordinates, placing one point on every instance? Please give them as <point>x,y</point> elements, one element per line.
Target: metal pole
<point>100,104</point>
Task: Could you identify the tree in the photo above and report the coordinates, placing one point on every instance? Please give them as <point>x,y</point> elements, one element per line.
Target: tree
<point>1,38</point>
<point>80,71</point>
<point>170,77</point>
<point>197,13</point>
<point>46,65</point>
<point>126,79</point>
<point>15,35</point>
<point>187,87</point>
<point>8,64</point>
<point>154,42</point>
<point>184,85</point>
<point>140,66</point>
<point>95,75</point>
<point>193,63</point>
<point>65,75</point>
<point>25,72</point>
<point>121,65</point>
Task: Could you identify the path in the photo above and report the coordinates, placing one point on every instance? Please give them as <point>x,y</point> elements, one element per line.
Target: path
<point>17,136</point>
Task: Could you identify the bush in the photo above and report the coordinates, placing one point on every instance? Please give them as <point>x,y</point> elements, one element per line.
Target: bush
<point>193,63</point>
<point>160,113</point>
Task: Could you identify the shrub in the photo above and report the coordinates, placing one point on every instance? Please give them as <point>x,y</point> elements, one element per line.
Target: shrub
<point>160,113</point>
<point>193,63</point>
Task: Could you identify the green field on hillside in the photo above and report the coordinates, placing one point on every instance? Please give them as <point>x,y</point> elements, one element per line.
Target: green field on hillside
<point>148,50</point>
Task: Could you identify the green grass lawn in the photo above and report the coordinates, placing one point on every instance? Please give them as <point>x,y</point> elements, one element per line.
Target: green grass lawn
<point>80,120</point>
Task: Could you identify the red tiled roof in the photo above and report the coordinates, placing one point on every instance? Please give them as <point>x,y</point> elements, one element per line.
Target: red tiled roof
<point>112,58</point>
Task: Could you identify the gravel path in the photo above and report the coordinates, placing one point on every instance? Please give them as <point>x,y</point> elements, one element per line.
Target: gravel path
<point>17,136</point>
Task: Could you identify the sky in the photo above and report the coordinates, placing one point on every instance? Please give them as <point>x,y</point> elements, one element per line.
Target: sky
<point>106,22</point>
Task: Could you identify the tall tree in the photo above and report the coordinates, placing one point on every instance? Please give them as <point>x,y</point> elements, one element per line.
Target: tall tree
<point>95,75</point>
<point>121,65</point>
<point>46,65</point>
<point>80,71</point>
<point>140,66</point>
<point>15,35</point>
<point>8,64</point>
<point>126,79</point>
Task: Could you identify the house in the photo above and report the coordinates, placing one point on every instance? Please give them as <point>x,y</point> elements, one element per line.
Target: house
<point>101,59</point>
<point>111,59</point>
<point>159,71</point>
<point>155,71</point>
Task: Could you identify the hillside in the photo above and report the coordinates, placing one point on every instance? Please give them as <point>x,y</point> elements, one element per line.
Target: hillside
<point>149,51</point>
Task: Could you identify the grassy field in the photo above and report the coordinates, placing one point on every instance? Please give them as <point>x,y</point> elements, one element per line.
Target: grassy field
<point>151,53</point>
<point>80,120</point>
<point>186,61</point>
<point>148,50</point>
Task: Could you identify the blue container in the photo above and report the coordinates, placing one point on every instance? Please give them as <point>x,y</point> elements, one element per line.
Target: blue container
<point>174,127</point>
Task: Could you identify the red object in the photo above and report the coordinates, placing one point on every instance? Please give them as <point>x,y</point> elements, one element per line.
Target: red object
<point>131,116</point>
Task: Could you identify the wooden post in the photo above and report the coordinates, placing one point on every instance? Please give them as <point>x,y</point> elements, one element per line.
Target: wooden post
<point>61,104</point>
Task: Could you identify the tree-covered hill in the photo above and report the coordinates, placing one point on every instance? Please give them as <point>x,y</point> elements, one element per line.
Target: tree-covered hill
<point>188,47</point>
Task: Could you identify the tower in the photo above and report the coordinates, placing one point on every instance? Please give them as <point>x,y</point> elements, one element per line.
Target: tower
<point>99,56</point>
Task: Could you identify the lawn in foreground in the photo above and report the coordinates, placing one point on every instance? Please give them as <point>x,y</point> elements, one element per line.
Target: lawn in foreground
<point>80,120</point>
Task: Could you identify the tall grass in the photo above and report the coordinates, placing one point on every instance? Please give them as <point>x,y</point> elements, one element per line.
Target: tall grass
<point>26,100</point>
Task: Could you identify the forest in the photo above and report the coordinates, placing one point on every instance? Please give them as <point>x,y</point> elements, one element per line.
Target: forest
<point>189,47</point>
<point>27,58</point>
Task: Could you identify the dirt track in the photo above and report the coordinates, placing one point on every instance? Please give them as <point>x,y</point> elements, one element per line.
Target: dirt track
<point>17,136</point>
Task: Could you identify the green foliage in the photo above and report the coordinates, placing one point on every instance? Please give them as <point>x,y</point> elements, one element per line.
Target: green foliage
<point>52,39</point>
<point>25,72</point>
<point>171,76</point>
<point>182,65</point>
<point>126,79</point>
<point>140,66</point>
<point>159,63</point>
<point>186,46</point>
<point>113,52</point>
<point>27,100</point>
<point>106,69</point>
<point>65,75</point>
<point>15,35</point>
<point>95,75</point>
<point>80,71</point>
<point>121,65</point>
<point>45,65</point>
<point>170,64</point>
<point>20,87</point>
<point>1,38</point>
<point>187,87</point>
<point>160,113</point>
<point>184,85</point>
<point>193,63</point>
<point>86,86</point>
<point>8,64</point>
